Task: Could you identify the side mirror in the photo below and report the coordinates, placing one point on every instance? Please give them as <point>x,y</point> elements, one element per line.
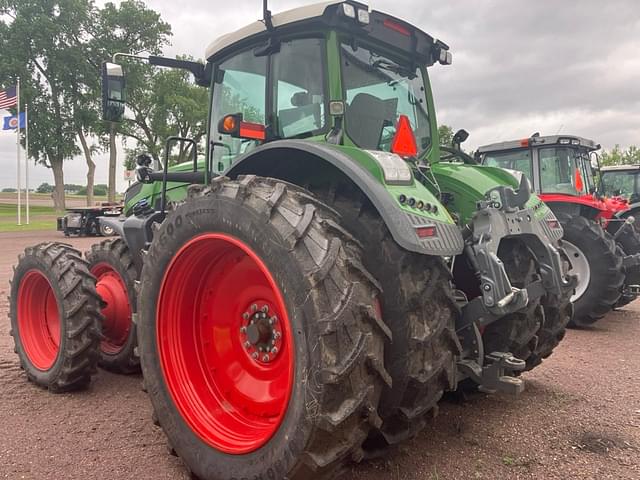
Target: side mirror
<point>459,137</point>
<point>144,160</point>
<point>143,174</point>
<point>113,92</point>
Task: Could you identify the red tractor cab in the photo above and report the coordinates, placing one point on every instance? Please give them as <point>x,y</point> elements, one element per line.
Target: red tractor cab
<point>601,245</point>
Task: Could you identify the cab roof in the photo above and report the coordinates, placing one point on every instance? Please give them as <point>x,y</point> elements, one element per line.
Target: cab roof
<point>538,141</point>
<point>613,168</point>
<point>279,20</point>
<point>382,27</point>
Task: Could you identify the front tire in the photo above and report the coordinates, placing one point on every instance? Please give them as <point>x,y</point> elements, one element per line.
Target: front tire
<point>229,254</point>
<point>55,317</point>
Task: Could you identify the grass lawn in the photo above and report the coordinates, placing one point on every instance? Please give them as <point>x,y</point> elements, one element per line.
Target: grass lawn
<point>41,218</point>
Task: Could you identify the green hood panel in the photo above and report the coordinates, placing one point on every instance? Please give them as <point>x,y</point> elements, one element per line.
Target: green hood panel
<point>468,184</point>
<point>415,189</point>
<point>176,191</point>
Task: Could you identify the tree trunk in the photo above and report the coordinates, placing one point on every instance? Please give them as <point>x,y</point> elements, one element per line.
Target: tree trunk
<point>91,166</point>
<point>113,157</point>
<point>58,189</point>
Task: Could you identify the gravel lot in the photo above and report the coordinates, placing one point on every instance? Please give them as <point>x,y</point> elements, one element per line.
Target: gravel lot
<point>579,417</point>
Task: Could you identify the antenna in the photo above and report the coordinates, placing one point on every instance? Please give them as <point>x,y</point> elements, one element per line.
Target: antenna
<point>266,15</point>
<point>558,128</point>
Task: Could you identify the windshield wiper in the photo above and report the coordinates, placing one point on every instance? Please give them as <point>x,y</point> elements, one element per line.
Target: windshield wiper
<point>393,67</point>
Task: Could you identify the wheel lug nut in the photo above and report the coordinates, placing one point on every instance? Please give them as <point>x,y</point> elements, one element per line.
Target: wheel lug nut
<point>273,320</point>
<point>276,335</point>
<point>274,350</point>
<point>245,316</point>
<point>265,309</point>
<point>265,358</point>
<point>243,329</point>
<point>247,344</point>
<point>254,307</point>
<point>254,355</point>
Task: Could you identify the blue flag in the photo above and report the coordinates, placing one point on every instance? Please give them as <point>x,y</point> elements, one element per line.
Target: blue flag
<point>11,122</point>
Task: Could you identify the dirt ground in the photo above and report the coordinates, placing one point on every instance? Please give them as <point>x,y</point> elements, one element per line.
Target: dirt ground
<point>579,417</point>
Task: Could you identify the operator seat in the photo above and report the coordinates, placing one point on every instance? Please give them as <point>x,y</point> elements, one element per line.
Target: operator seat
<point>366,116</point>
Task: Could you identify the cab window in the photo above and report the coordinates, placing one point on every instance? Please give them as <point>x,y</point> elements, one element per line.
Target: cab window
<point>519,160</point>
<point>240,87</point>
<point>378,90</point>
<point>296,87</point>
<point>299,98</point>
<point>561,173</point>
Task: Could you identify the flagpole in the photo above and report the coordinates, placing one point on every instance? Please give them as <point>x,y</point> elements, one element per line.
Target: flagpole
<point>18,150</point>
<point>26,160</point>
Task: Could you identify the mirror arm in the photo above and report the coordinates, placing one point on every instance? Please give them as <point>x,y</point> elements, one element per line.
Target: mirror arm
<point>197,69</point>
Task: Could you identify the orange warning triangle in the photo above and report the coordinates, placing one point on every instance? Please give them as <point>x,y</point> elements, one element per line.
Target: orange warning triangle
<point>579,182</point>
<point>404,141</point>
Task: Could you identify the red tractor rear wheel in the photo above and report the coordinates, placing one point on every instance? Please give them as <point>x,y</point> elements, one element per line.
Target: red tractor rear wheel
<point>261,346</point>
<point>595,262</point>
<point>55,317</point>
<point>112,265</point>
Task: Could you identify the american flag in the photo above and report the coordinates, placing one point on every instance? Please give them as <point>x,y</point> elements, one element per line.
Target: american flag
<point>8,98</point>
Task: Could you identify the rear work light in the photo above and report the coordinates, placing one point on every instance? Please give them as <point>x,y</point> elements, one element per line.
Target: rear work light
<point>349,10</point>
<point>363,16</point>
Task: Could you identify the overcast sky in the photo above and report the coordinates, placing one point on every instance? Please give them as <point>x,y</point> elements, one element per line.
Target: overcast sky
<point>519,66</point>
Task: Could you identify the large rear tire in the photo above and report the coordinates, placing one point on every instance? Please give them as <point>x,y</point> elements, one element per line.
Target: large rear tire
<point>232,405</point>
<point>111,263</point>
<point>592,254</point>
<point>418,306</point>
<point>55,317</point>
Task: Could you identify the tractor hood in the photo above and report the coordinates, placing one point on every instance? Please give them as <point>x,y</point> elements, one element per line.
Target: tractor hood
<point>468,184</point>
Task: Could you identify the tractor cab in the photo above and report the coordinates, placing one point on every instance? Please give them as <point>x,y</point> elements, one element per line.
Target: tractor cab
<point>621,182</point>
<point>561,169</point>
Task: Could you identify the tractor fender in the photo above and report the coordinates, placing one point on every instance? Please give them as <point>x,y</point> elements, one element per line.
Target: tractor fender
<point>634,210</point>
<point>574,207</point>
<point>293,161</point>
<point>117,223</point>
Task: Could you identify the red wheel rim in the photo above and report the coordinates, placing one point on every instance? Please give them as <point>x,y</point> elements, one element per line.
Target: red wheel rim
<point>228,390</point>
<point>117,313</point>
<point>38,320</point>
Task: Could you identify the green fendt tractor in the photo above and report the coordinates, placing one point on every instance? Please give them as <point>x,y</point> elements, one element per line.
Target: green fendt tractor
<point>303,295</point>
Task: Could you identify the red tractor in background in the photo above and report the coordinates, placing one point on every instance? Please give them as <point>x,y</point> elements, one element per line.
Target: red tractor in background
<point>601,244</point>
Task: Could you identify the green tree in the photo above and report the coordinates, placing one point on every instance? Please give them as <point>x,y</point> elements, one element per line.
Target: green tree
<point>164,103</point>
<point>617,156</point>
<point>44,188</point>
<point>445,132</point>
<point>56,48</point>
<point>131,28</point>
